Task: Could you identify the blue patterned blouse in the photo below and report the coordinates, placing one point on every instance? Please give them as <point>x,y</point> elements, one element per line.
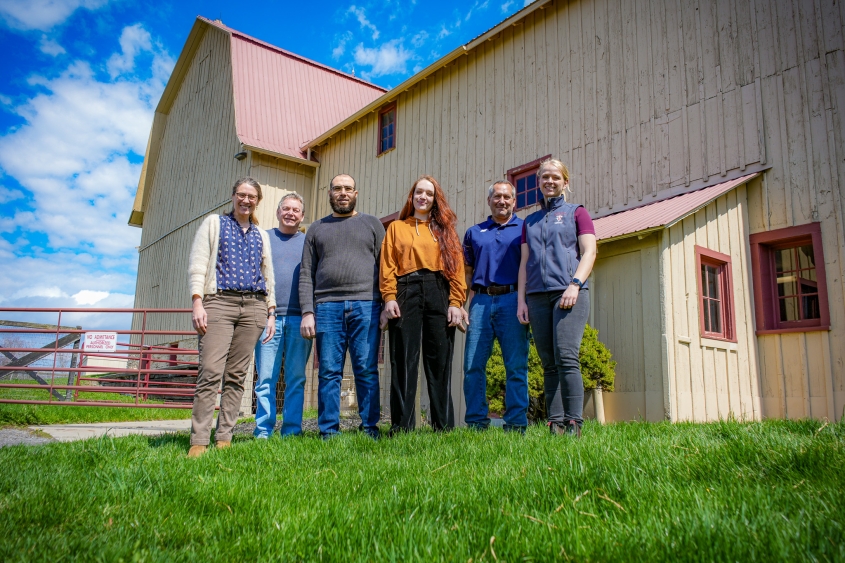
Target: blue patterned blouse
<point>239,257</point>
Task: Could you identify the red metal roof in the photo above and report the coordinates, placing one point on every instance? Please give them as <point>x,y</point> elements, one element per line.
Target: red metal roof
<point>282,99</point>
<point>664,213</point>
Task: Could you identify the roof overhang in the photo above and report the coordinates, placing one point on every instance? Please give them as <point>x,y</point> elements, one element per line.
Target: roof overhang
<point>659,215</point>
<point>391,95</point>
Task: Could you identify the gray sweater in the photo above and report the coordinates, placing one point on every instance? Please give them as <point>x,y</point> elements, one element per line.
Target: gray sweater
<point>340,261</point>
<point>286,251</point>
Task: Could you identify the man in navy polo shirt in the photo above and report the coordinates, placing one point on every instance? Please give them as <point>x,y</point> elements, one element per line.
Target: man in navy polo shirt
<point>492,254</point>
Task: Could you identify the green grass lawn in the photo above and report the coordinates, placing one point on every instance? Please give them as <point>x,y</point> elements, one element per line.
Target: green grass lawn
<point>28,415</point>
<point>625,492</point>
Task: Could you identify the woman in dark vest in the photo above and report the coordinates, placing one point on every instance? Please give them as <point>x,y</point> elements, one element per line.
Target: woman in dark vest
<point>558,252</point>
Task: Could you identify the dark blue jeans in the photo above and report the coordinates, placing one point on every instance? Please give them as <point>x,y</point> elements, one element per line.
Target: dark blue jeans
<point>557,335</point>
<point>348,326</point>
<point>494,317</point>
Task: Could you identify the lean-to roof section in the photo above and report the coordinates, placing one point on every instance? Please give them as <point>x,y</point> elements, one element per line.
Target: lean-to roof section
<point>661,214</point>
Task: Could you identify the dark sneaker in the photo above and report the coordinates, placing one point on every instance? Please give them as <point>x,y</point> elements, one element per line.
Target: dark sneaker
<point>573,429</point>
<point>556,429</point>
<point>512,428</point>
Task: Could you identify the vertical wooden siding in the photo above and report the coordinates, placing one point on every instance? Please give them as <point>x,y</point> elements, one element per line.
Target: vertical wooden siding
<point>641,99</point>
<point>709,379</point>
<point>193,176</point>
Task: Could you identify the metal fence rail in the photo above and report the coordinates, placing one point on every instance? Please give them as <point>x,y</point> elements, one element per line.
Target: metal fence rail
<point>48,364</point>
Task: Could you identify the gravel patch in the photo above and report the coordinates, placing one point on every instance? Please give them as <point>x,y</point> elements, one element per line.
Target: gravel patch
<point>17,437</point>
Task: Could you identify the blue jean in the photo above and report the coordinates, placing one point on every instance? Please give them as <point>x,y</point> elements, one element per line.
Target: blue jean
<point>348,326</point>
<point>289,348</point>
<point>495,317</point>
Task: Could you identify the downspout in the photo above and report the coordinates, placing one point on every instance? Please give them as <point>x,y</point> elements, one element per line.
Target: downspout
<point>314,189</point>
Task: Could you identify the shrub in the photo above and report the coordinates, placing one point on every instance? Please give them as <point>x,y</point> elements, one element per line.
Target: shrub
<point>596,367</point>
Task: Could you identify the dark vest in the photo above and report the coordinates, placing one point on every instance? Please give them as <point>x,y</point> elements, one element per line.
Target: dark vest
<point>552,246</point>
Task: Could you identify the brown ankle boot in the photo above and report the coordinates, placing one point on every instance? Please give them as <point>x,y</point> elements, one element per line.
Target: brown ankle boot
<point>222,444</point>
<point>197,451</point>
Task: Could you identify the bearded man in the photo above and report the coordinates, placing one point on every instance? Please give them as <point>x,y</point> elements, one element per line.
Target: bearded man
<point>341,303</point>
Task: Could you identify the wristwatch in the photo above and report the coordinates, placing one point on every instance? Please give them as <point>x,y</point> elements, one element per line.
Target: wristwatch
<point>576,281</point>
<point>271,314</point>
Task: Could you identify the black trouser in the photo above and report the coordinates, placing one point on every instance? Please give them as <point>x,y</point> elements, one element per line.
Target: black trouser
<point>557,335</point>
<point>423,299</point>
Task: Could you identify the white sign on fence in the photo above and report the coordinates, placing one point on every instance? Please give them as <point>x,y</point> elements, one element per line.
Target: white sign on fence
<point>100,341</point>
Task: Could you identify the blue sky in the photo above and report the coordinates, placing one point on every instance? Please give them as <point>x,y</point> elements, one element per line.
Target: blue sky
<point>80,81</point>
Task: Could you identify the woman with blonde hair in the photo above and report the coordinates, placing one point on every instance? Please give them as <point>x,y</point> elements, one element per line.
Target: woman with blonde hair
<point>232,288</point>
<point>558,253</point>
<point>423,287</point>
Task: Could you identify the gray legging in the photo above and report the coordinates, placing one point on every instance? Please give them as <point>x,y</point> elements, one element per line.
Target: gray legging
<point>557,334</point>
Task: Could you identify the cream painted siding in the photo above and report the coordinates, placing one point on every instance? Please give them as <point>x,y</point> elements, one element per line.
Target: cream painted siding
<point>709,379</point>
<point>644,99</point>
<point>625,308</point>
<point>192,175</point>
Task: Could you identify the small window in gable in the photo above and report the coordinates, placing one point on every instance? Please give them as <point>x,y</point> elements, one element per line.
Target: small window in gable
<point>524,179</point>
<point>790,290</point>
<point>715,293</point>
<point>387,128</point>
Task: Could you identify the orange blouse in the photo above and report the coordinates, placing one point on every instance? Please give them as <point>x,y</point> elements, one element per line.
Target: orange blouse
<point>408,246</point>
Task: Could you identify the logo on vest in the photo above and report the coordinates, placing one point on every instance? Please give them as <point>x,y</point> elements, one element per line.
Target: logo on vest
<point>558,218</point>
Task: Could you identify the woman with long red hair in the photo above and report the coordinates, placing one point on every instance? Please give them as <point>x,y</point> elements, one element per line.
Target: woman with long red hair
<point>423,287</point>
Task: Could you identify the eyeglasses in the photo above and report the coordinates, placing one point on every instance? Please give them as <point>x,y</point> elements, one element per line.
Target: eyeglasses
<point>247,197</point>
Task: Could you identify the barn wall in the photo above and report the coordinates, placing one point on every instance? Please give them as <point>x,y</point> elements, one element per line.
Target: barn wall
<point>709,379</point>
<point>642,99</point>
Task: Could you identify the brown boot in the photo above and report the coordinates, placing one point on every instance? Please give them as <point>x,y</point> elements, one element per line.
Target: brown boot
<point>197,451</point>
<point>222,444</point>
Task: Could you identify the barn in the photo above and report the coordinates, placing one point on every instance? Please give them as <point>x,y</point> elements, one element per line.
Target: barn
<point>704,137</point>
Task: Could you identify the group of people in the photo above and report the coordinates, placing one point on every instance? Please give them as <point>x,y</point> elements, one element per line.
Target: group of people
<point>347,279</point>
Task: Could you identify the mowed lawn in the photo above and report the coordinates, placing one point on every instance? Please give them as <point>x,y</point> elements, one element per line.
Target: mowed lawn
<point>625,492</point>
<point>13,414</point>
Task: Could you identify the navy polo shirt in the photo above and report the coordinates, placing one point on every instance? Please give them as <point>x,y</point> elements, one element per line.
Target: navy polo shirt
<point>493,251</point>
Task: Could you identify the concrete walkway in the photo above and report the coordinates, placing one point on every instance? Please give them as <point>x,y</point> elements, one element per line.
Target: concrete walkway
<point>73,432</point>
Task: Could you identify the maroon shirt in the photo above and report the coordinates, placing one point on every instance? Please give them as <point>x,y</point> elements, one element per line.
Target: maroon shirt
<point>583,224</point>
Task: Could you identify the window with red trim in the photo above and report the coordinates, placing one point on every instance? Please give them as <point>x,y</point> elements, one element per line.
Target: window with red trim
<point>715,292</point>
<point>387,128</point>
<point>524,179</point>
<point>790,291</point>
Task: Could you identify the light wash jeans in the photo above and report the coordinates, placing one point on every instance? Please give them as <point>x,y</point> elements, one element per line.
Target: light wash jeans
<point>348,326</point>
<point>494,316</point>
<point>288,348</point>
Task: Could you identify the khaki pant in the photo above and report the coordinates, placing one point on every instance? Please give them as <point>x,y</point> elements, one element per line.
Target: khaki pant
<point>235,324</point>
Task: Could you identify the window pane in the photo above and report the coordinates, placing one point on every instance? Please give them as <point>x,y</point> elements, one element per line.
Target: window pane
<point>520,186</point>
<point>712,282</point>
<point>531,197</point>
<point>810,307</point>
<point>520,200</point>
<point>715,317</point>
<point>531,182</point>
<point>706,310</point>
<point>787,286</point>
<point>704,281</point>
<point>390,130</point>
<point>789,309</point>
<point>805,256</point>
<point>784,260</point>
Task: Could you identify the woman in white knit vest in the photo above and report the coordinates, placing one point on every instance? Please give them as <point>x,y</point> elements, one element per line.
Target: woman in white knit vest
<point>232,288</point>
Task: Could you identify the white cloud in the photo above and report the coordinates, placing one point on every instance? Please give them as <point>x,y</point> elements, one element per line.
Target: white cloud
<point>362,19</point>
<point>444,32</point>
<point>89,297</point>
<point>134,40</point>
<point>7,194</point>
<point>51,47</point>
<point>419,39</point>
<point>389,58</point>
<point>507,6</point>
<point>42,14</point>
<point>340,49</point>
<point>476,6</point>
<point>73,156</point>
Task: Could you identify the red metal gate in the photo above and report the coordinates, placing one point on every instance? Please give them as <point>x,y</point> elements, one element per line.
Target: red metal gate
<point>46,364</point>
